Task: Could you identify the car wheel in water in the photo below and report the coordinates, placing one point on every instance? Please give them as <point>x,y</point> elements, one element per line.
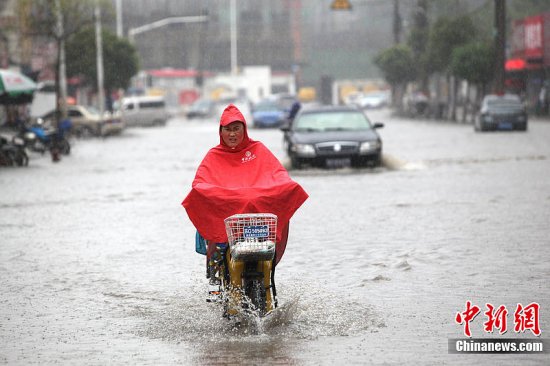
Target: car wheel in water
<point>376,162</point>
<point>22,159</point>
<point>295,163</point>
<point>85,133</point>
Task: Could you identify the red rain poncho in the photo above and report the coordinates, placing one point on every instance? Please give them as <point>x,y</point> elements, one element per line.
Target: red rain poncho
<point>245,179</point>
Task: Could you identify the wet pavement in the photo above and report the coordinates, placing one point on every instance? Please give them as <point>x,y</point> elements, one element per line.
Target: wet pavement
<point>97,261</point>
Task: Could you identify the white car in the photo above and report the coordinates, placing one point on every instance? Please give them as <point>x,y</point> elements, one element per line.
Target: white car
<point>144,111</point>
<point>373,100</point>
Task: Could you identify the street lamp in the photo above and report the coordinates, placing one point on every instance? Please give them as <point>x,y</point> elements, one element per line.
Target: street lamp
<point>132,32</point>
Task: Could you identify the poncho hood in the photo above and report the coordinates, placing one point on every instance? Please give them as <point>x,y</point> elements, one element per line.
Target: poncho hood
<point>249,180</point>
<point>232,114</point>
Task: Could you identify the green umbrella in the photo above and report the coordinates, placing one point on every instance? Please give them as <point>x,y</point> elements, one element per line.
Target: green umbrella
<point>15,88</point>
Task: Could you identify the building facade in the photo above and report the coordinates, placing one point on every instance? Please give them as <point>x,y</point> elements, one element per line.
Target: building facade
<point>528,67</point>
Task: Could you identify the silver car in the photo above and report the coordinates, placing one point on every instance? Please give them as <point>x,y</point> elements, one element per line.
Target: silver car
<point>86,121</point>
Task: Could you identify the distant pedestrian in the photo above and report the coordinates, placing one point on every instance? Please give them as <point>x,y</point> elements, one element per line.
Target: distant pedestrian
<point>294,109</point>
<point>542,105</point>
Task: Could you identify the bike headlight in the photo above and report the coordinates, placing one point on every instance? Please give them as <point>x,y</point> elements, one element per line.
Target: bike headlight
<point>369,146</point>
<point>304,149</point>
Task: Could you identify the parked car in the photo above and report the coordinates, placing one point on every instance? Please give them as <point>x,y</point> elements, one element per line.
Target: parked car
<point>144,111</point>
<point>501,112</point>
<point>373,100</point>
<point>267,113</point>
<point>86,121</point>
<point>284,101</point>
<point>332,136</point>
<point>416,104</point>
<point>201,108</point>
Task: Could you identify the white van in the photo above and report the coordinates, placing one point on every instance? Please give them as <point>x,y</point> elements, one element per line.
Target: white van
<point>144,111</point>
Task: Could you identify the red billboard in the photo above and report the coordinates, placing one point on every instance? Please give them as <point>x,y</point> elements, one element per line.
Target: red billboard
<point>533,37</point>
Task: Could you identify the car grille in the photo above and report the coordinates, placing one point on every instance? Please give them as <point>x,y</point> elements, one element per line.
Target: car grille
<point>509,117</point>
<point>337,148</point>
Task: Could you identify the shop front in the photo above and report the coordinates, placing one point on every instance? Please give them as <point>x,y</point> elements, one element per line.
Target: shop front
<point>528,68</point>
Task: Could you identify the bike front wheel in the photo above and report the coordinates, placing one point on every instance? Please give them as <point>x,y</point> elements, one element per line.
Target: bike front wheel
<point>256,293</point>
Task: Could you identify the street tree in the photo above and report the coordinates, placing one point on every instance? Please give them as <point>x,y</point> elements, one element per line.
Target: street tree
<point>418,41</point>
<point>446,35</point>
<point>473,62</point>
<point>120,60</point>
<point>58,20</point>
<point>398,67</point>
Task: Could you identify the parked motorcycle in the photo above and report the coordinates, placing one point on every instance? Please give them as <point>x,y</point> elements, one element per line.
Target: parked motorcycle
<point>40,139</point>
<point>13,153</point>
<point>243,269</point>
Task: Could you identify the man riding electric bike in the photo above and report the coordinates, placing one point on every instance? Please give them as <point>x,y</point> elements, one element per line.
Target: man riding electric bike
<point>241,203</point>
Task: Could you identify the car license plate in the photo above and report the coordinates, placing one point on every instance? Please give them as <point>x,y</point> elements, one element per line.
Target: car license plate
<point>505,126</point>
<point>338,162</point>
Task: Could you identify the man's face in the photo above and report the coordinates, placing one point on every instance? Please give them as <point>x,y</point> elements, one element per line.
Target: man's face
<point>233,134</point>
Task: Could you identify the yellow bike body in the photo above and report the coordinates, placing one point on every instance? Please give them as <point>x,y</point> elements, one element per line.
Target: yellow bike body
<point>237,282</point>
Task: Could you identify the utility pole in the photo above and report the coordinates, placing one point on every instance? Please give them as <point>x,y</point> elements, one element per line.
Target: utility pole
<point>62,76</point>
<point>199,80</point>
<point>396,23</point>
<point>500,45</point>
<point>233,32</point>
<point>119,31</point>
<point>99,61</point>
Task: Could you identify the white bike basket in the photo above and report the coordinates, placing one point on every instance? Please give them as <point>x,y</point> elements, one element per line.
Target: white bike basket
<point>251,236</point>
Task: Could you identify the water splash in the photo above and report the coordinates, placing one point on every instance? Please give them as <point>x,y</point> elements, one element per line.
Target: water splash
<point>305,314</point>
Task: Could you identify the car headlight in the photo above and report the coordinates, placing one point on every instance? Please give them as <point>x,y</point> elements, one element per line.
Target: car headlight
<point>304,149</point>
<point>488,118</point>
<point>369,146</point>
<point>521,118</point>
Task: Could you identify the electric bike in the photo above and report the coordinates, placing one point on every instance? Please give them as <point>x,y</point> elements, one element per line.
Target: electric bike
<point>243,269</point>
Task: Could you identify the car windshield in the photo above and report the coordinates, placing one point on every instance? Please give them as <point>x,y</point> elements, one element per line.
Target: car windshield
<point>504,104</point>
<point>332,121</point>
<point>91,109</point>
<point>286,103</point>
<point>201,103</point>
<point>266,106</point>
<point>376,95</point>
<point>502,100</point>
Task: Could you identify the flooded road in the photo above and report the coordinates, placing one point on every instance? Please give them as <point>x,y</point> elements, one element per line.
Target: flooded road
<point>97,261</point>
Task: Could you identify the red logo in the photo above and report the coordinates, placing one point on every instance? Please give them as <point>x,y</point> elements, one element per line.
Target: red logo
<point>496,319</point>
<point>525,318</point>
<point>467,316</point>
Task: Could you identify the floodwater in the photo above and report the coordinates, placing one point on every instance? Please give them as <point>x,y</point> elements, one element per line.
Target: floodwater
<point>97,261</point>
